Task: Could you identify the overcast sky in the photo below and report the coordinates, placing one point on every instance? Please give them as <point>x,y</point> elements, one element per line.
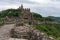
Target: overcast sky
<point>43,7</point>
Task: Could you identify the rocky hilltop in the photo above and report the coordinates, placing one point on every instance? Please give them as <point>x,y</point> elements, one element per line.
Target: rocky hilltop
<point>21,27</point>
<point>28,32</point>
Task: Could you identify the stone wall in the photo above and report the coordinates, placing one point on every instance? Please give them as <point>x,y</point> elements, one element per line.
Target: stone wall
<point>28,32</point>
<point>16,39</point>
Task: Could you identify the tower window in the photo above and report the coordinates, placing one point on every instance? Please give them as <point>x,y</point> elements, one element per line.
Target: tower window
<point>25,18</point>
<point>29,23</point>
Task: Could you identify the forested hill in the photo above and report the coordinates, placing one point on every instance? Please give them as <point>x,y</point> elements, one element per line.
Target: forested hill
<point>55,18</point>
<point>17,12</point>
<point>50,29</point>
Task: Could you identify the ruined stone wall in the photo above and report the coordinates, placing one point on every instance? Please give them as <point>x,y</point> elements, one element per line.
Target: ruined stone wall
<point>26,16</point>
<point>28,32</point>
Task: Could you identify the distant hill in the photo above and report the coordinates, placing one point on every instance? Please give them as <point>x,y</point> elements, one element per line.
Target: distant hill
<point>55,18</point>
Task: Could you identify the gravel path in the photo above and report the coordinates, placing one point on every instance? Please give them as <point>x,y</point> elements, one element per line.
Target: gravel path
<point>4,31</point>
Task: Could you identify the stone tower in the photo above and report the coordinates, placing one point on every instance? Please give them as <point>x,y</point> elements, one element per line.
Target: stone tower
<point>26,16</point>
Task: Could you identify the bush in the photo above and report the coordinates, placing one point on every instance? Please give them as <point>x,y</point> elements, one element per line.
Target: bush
<point>1,21</point>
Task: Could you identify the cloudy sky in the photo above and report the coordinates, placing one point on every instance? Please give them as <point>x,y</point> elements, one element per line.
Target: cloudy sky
<point>43,7</point>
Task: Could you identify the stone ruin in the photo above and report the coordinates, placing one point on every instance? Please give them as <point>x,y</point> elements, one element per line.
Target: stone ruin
<point>26,16</point>
<point>28,32</point>
<point>23,29</point>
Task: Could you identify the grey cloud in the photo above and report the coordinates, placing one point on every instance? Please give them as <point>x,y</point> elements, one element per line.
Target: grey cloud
<point>28,2</point>
<point>56,0</point>
<point>43,9</point>
<point>48,11</point>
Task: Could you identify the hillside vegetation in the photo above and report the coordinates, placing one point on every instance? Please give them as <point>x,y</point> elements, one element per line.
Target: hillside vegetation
<point>55,18</point>
<point>49,29</point>
<point>17,12</point>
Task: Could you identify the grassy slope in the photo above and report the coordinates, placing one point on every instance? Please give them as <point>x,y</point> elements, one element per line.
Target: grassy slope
<point>50,29</point>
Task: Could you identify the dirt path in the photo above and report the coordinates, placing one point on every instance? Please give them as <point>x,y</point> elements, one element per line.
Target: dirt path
<point>4,31</point>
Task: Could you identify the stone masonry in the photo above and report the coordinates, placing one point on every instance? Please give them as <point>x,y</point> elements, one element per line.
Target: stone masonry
<point>23,29</point>
<point>28,32</point>
<point>26,16</point>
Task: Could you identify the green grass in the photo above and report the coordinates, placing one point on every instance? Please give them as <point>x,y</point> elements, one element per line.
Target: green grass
<point>50,29</point>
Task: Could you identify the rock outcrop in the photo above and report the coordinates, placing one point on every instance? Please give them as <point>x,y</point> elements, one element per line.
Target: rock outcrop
<point>28,32</point>
<point>16,39</point>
